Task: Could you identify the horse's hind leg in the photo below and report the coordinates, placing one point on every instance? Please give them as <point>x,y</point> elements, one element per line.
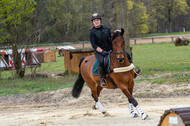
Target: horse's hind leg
<point>95,94</point>
<point>99,89</point>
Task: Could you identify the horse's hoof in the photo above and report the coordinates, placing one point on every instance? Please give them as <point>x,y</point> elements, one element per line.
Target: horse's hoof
<point>144,116</point>
<point>104,112</point>
<point>135,115</point>
<point>94,107</point>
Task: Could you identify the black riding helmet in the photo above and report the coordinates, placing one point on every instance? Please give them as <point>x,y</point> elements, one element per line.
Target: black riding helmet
<point>95,16</point>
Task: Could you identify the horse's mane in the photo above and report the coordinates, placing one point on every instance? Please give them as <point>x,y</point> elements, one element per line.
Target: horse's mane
<point>116,33</point>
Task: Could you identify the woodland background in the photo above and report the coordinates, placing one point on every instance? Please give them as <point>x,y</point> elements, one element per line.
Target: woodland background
<point>45,21</point>
<point>27,22</point>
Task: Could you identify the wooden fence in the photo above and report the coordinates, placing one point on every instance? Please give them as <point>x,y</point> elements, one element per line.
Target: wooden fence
<point>156,39</point>
<point>159,39</point>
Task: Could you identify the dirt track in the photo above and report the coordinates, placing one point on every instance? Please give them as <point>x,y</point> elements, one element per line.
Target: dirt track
<point>57,108</point>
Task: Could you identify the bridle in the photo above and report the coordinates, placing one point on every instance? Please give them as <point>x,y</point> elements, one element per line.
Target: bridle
<point>116,34</point>
<point>117,53</point>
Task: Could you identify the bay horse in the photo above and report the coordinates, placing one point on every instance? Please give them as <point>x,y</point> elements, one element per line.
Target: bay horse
<point>124,80</point>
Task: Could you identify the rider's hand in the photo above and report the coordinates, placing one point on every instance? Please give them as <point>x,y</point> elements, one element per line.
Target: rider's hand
<point>99,50</point>
<point>105,53</point>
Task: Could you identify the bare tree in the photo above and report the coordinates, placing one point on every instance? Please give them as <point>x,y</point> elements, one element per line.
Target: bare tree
<point>108,13</point>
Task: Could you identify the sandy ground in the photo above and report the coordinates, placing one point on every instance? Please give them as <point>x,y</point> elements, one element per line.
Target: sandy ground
<point>59,108</point>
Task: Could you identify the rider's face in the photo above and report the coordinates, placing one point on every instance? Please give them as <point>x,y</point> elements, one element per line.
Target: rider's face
<point>96,23</point>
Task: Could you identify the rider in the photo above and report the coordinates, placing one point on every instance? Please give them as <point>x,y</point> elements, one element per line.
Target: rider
<point>100,39</point>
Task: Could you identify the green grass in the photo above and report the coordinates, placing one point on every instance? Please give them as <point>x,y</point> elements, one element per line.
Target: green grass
<point>162,57</point>
<point>152,58</point>
<point>164,34</point>
<point>34,85</point>
<point>50,67</point>
<point>168,79</point>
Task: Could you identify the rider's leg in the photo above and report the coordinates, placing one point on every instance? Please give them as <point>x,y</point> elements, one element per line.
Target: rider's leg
<point>101,72</point>
<point>131,61</point>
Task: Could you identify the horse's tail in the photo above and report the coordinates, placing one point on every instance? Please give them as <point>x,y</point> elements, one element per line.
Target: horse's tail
<point>77,87</point>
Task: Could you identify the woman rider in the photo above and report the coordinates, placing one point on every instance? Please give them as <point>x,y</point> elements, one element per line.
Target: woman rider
<point>100,39</point>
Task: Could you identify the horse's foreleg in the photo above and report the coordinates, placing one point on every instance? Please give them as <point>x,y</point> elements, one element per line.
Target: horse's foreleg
<point>131,110</point>
<point>141,113</point>
<point>133,102</point>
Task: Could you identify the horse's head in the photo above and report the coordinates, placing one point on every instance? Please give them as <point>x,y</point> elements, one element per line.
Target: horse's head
<point>118,44</point>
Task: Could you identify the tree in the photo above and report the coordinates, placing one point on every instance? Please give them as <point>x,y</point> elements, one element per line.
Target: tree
<point>122,20</point>
<point>169,9</point>
<point>137,18</point>
<point>12,13</point>
<point>108,13</point>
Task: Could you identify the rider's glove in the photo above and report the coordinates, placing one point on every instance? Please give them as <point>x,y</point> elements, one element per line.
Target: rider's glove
<point>105,53</point>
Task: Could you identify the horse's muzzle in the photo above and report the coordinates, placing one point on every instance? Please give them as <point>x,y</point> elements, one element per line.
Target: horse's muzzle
<point>121,60</point>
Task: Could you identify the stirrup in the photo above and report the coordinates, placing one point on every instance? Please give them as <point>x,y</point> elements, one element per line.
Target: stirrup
<point>102,82</point>
<point>138,71</point>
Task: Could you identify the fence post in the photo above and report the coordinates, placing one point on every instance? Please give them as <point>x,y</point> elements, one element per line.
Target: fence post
<point>135,41</point>
<point>152,40</point>
<point>172,39</point>
<point>82,44</point>
<point>53,45</point>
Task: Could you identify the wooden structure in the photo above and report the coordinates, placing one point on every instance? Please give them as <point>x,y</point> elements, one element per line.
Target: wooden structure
<point>27,57</point>
<point>181,41</point>
<point>45,56</point>
<point>176,117</point>
<point>72,58</point>
<point>49,56</point>
<point>39,56</point>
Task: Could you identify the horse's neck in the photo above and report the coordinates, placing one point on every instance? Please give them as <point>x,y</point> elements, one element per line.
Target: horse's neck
<point>116,64</point>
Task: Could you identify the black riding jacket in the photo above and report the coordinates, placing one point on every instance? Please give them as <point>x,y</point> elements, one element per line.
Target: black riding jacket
<point>101,37</point>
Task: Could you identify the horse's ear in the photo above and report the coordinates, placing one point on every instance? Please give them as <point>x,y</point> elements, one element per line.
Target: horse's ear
<point>122,31</point>
<point>111,30</point>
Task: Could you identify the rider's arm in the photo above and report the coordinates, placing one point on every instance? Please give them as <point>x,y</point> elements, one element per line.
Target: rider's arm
<point>93,42</point>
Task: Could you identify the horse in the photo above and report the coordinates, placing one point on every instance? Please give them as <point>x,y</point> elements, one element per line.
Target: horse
<point>122,75</point>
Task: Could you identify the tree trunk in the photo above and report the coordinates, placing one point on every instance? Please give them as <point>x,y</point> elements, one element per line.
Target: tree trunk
<point>16,56</point>
<point>108,13</point>
<point>169,20</point>
<point>125,26</point>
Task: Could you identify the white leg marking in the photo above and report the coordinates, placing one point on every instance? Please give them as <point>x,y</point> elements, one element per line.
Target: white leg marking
<point>131,110</point>
<point>141,113</point>
<point>99,105</point>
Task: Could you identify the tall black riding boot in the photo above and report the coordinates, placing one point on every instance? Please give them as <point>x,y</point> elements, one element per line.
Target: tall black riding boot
<point>137,72</point>
<point>101,74</point>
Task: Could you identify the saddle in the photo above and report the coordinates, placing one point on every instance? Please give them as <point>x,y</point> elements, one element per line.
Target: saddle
<point>106,65</point>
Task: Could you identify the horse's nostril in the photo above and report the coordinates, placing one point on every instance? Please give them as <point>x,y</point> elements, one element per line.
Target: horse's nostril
<point>120,60</point>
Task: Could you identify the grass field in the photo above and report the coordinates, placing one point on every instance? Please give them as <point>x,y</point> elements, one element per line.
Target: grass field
<point>152,58</point>
<point>162,57</point>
